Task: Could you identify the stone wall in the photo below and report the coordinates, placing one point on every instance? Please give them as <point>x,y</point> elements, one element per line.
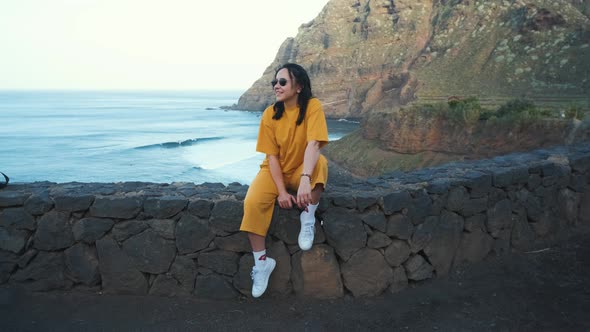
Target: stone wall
<point>380,234</point>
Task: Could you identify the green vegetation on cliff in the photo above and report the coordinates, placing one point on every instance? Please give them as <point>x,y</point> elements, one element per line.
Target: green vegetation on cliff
<point>469,111</point>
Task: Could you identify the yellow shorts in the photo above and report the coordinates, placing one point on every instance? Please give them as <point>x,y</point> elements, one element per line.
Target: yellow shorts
<point>262,194</point>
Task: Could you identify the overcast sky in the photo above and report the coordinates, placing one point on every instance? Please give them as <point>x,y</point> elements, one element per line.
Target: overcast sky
<point>144,44</point>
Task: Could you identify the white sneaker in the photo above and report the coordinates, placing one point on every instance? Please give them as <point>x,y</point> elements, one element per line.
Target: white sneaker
<point>306,233</point>
<point>260,275</point>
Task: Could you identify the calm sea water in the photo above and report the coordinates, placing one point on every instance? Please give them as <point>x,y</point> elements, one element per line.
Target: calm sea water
<point>152,136</point>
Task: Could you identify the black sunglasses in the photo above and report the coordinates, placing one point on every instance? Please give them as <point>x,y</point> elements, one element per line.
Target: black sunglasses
<point>281,81</point>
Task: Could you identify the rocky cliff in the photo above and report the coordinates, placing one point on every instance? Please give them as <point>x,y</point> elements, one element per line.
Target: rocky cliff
<point>366,55</point>
<point>418,136</point>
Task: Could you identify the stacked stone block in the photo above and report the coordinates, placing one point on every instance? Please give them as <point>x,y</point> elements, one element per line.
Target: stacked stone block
<point>376,235</point>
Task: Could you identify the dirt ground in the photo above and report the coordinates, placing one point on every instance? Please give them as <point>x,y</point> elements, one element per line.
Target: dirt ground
<point>546,290</point>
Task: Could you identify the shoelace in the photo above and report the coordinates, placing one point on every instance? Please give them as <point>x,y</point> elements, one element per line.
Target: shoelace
<point>254,272</point>
<point>256,282</point>
<point>309,230</point>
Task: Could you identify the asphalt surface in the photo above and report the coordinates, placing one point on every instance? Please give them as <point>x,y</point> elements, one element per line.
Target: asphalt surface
<point>545,290</point>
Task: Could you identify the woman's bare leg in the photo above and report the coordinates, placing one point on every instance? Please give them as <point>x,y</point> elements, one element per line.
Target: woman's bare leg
<point>258,242</point>
<point>316,193</point>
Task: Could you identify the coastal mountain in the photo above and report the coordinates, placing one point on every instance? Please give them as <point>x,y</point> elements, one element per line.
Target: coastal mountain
<point>376,59</point>
<point>366,55</point>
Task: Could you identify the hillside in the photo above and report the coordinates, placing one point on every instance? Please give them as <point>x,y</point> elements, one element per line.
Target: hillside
<point>373,55</point>
<point>424,135</point>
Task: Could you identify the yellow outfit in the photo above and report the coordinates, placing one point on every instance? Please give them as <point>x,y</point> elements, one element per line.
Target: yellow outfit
<point>283,138</point>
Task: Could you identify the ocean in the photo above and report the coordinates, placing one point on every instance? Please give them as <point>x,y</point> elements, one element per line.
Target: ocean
<point>115,136</point>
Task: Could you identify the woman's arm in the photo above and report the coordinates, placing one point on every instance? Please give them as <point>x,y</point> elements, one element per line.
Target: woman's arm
<point>310,159</point>
<point>286,200</point>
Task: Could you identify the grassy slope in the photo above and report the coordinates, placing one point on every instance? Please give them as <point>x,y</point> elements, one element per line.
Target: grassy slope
<point>365,158</point>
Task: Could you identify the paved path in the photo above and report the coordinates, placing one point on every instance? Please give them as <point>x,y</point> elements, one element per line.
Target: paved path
<point>543,291</point>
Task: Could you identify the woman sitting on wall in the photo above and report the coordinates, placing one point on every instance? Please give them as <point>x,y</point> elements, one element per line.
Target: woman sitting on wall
<point>292,132</point>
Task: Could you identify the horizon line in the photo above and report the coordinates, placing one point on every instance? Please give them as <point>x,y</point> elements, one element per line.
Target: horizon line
<point>124,89</point>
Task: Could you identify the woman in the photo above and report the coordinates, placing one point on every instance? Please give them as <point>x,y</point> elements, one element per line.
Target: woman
<point>292,132</point>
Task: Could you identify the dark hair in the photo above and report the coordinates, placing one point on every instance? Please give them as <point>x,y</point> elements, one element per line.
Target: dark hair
<point>298,76</point>
<point>6,180</point>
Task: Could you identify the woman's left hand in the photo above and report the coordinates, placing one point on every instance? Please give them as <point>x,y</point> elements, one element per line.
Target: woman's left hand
<point>304,193</point>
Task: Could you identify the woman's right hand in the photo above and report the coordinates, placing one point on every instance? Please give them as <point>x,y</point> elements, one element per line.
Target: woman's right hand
<point>286,200</point>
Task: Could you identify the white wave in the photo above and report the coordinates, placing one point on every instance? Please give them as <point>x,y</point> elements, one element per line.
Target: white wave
<point>347,120</point>
<point>217,154</point>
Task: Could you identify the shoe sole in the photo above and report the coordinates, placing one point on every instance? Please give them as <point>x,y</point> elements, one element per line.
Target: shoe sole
<point>272,268</point>
<point>305,248</point>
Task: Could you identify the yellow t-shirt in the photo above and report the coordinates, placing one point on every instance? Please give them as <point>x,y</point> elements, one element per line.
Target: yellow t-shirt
<point>283,138</point>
